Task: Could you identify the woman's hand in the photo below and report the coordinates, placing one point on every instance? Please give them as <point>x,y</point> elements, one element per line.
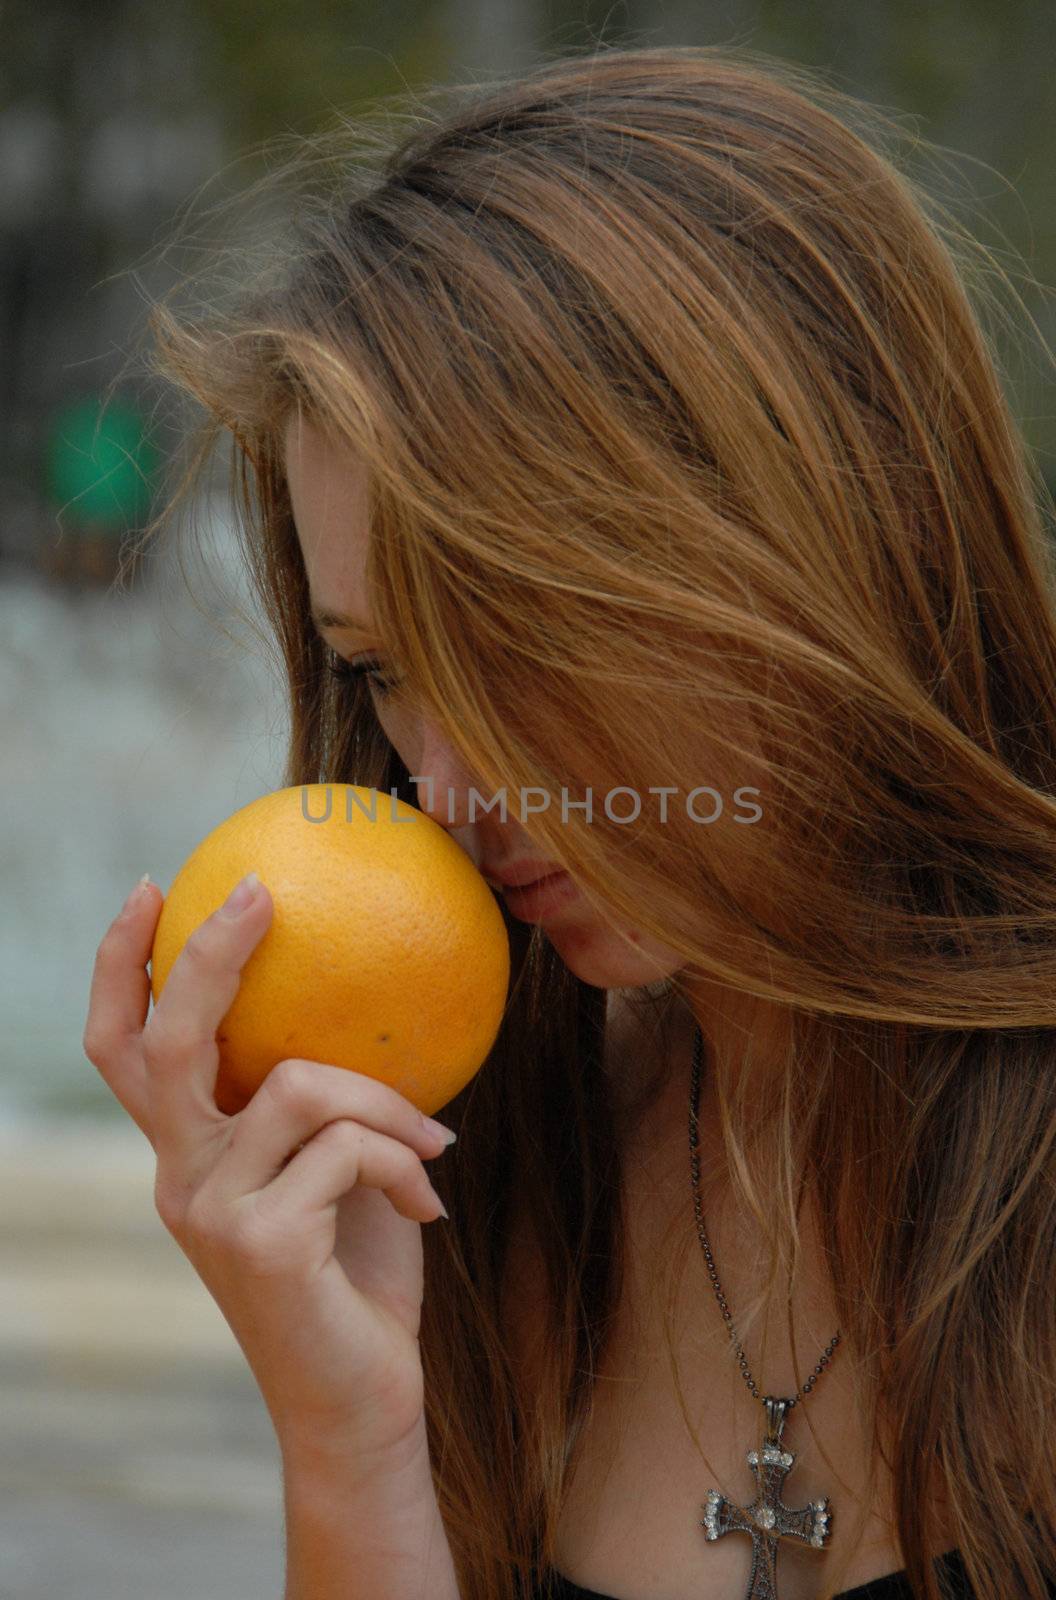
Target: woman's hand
<point>302,1212</point>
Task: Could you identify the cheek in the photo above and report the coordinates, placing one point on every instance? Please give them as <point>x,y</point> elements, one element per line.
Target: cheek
<point>402,729</point>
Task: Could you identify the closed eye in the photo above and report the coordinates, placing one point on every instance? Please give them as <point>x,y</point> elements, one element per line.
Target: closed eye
<point>367,667</point>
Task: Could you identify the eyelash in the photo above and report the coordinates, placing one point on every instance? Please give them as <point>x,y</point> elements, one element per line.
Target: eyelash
<point>352,671</point>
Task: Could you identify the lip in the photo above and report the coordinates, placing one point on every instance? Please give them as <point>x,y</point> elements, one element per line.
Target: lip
<point>538,899</point>
<point>519,873</point>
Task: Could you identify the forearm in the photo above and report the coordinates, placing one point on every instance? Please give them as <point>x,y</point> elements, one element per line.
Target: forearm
<point>350,1538</point>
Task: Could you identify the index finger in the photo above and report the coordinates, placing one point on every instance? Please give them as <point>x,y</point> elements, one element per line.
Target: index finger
<point>119,999</point>
<point>179,1042</point>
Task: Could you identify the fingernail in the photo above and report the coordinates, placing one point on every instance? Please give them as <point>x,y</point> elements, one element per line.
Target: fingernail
<point>447,1134</point>
<point>241,895</point>
<point>134,893</point>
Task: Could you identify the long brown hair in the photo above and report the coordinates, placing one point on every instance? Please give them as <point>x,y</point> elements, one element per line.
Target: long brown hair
<point>690,456</point>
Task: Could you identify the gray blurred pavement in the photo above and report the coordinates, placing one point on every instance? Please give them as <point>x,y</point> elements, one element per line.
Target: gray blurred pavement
<point>137,1458</point>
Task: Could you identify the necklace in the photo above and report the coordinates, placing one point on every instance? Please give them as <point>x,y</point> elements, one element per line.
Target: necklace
<point>767,1519</point>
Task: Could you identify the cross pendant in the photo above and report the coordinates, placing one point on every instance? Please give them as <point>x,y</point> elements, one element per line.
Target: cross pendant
<point>767,1519</point>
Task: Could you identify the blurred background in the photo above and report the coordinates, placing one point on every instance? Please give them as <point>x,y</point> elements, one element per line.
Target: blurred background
<point>137,711</point>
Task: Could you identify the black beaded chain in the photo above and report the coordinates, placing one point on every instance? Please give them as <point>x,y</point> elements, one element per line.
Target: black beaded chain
<point>694,1165</point>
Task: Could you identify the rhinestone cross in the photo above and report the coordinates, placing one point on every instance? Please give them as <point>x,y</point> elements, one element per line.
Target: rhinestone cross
<point>767,1519</point>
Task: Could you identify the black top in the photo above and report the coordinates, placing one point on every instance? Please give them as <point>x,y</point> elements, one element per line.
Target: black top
<point>894,1586</point>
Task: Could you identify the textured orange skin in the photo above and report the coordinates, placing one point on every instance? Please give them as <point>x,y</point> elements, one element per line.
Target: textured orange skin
<point>387,952</point>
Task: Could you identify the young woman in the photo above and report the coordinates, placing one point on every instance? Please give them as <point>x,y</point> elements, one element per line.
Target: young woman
<point>627,435</point>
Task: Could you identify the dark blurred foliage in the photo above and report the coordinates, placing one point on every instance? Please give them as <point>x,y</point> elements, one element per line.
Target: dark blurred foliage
<point>115,113</point>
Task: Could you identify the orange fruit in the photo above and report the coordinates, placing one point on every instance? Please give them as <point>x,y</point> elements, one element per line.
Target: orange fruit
<point>387,952</point>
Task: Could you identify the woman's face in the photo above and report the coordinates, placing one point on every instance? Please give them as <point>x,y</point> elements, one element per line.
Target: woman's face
<point>328,493</point>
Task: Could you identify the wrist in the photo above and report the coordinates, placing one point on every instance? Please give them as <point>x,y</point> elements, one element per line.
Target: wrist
<point>374,1521</point>
<point>318,1450</point>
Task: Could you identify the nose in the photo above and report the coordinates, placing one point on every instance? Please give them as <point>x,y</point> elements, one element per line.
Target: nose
<point>443,780</point>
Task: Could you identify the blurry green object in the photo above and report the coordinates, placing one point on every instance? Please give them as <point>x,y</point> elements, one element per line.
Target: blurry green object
<point>99,463</point>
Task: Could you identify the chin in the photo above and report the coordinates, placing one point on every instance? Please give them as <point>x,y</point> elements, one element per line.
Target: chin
<point>598,955</point>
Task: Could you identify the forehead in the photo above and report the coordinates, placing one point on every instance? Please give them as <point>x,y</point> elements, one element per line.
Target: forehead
<point>328,488</point>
